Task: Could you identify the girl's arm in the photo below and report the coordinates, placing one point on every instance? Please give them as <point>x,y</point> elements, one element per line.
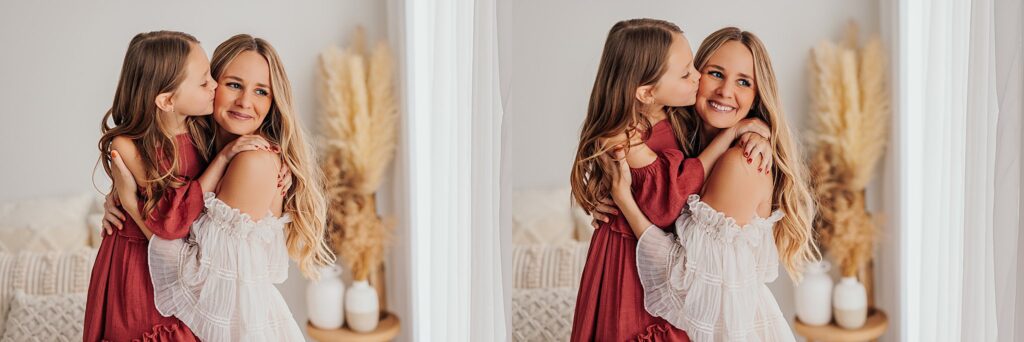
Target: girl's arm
<point>126,165</point>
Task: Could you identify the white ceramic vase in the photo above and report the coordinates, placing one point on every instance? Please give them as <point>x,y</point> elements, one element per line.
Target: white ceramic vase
<point>850,301</point>
<point>814,294</point>
<point>325,299</point>
<point>362,307</point>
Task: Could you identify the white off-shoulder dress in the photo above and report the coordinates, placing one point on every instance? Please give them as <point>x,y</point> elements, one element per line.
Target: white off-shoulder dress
<point>220,280</point>
<point>709,280</point>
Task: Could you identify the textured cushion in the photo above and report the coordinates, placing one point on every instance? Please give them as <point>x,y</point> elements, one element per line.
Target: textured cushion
<point>45,224</point>
<point>56,317</point>
<point>584,231</point>
<point>95,223</point>
<point>547,266</point>
<point>542,216</point>
<point>43,274</point>
<point>543,314</point>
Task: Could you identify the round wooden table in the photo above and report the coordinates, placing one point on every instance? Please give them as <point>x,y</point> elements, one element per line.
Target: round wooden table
<point>874,327</point>
<point>387,330</point>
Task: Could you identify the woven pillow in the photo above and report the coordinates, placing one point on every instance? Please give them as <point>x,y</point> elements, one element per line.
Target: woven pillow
<point>542,314</point>
<point>43,274</point>
<point>45,224</point>
<point>56,317</point>
<point>547,266</point>
<point>542,216</point>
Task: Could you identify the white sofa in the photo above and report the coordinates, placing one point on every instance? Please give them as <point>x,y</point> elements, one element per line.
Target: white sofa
<point>550,243</point>
<point>47,249</point>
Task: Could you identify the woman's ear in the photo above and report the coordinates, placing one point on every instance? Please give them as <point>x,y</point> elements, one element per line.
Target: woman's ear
<point>165,101</point>
<point>645,94</point>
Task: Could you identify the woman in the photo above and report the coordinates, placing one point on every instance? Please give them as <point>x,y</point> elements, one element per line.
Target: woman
<point>219,281</point>
<point>710,280</point>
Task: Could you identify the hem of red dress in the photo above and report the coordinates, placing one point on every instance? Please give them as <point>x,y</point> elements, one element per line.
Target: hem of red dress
<point>166,333</point>
<point>659,332</point>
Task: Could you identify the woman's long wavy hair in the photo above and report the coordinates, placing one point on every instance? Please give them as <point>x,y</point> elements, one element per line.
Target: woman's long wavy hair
<point>635,55</point>
<point>794,233</point>
<point>155,63</point>
<point>305,201</point>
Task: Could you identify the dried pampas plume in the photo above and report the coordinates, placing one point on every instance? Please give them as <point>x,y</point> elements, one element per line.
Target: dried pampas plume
<point>360,117</point>
<point>850,104</point>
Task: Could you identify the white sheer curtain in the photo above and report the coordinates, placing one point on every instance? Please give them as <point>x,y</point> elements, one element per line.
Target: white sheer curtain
<point>452,158</point>
<point>1009,66</point>
<point>960,137</point>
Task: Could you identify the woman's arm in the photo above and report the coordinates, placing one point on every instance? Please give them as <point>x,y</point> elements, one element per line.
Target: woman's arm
<point>250,183</point>
<point>737,189</point>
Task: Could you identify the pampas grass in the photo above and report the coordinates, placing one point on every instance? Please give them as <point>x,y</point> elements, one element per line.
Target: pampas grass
<point>850,104</point>
<point>360,117</point>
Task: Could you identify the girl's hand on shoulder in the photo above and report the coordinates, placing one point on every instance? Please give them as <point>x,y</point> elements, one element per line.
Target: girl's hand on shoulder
<point>758,151</point>
<point>247,143</point>
<point>755,125</point>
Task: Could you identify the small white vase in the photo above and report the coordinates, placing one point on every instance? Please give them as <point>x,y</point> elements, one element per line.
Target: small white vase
<point>325,299</point>
<point>362,307</point>
<point>814,294</point>
<point>850,301</point>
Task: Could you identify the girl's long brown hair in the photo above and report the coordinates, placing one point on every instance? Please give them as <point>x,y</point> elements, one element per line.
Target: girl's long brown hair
<point>305,201</point>
<point>635,55</point>
<point>155,63</point>
<point>793,234</point>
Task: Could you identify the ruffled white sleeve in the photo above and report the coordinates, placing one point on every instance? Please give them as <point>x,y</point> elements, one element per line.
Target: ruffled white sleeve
<point>219,280</point>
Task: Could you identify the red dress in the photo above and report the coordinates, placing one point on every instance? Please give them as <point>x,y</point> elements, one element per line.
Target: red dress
<point>120,305</point>
<point>610,303</point>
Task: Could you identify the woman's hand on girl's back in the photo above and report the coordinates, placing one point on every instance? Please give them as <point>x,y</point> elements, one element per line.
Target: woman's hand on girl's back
<point>112,216</point>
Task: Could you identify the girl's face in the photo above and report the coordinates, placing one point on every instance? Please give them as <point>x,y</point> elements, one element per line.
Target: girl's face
<point>243,94</point>
<point>678,86</point>
<point>194,96</point>
<point>727,87</point>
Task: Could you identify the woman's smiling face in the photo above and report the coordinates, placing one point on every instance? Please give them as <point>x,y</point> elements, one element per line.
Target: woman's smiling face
<point>727,86</point>
<point>243,94</point>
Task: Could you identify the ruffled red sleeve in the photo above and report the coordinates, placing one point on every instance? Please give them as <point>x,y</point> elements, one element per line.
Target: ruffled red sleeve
<point>661,188</point>
<point>173,214</point>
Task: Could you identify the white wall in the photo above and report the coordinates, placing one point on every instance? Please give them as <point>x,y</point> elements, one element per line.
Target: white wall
<point>550,51</point>
<point>61,60</point>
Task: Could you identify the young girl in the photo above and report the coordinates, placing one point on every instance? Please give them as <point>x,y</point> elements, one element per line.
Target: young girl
<point>644,76</point>
<point>220,280</point>
<point>164,86</point>
<point>710,280</point>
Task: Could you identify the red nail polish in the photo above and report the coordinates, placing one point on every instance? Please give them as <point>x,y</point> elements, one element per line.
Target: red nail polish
<point>758,169</point>
<point>749,160</point>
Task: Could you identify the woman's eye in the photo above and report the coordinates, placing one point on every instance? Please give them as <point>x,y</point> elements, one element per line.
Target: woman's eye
<point>715,74</point>
<point>687,75</point>
<point>234,85</point>
<point>745,83</point>
<point>262,92</point>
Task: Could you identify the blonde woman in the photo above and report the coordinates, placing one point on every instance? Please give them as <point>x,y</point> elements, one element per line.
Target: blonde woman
<point>710,279</point>
<point>220,279</point>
